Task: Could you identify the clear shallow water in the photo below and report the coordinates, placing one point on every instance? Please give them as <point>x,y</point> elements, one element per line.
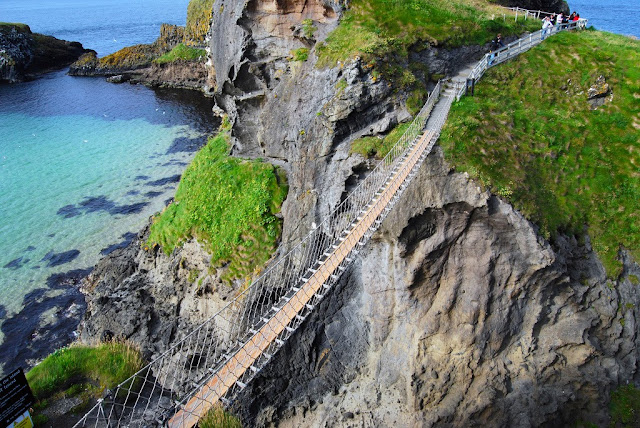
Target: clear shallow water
<point>83,164</point>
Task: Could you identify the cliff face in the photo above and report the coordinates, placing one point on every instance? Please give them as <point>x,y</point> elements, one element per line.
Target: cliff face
<point>456,314</point>
<point>24,54</point>
<point>137,64</point>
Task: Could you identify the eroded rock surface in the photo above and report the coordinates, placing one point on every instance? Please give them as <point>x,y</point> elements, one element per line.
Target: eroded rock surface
<point>457,315</point>
<point>24,55</point>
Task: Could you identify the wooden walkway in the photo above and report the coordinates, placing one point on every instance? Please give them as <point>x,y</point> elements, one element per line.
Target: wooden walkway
<point>245,357</point>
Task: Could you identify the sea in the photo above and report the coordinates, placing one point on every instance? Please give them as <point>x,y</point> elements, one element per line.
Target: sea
<point>614,16</point>
<point>83,165</point>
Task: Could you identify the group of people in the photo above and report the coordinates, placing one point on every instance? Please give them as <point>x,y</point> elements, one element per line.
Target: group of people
<point>547,23</point>
<point>550,21</point>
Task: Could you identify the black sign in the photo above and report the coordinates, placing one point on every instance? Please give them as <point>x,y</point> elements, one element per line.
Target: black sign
<point>15,397</point>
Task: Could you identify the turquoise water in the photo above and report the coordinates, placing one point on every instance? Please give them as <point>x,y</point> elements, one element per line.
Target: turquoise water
<point>83,165</point>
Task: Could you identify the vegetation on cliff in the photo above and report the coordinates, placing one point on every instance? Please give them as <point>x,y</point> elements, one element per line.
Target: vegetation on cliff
<point>625,407</point>
<point>378,147</point>
<point>81,371</point>
<point>199,13</point>
<point>375,28</point>
<point>182,53</point>
<point>6,27</point>
<point>227,203</point>
<point>530,135</point>
<point>218,418</point>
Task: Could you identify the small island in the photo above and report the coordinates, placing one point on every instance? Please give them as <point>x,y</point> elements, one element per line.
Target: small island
<point>25,55</point>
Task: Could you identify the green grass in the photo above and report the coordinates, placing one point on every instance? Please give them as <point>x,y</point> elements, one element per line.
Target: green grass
<point>378,147</point>
<point>416,100</point>
<point>199,13</point>
<point>182,53</point>
<point>301,54</point>
<point>228,204</point>
<point>530,134</point>
<point>375,28</point>
<point>80,368</point>
<point>8,26</point>
<point>218,418</point>
<point>624,407</point>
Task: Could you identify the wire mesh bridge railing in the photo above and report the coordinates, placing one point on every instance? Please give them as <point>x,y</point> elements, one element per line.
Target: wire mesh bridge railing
<point>210,364</point>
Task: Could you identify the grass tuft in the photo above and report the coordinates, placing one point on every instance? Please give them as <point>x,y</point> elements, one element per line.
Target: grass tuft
<point>530,131</point>
<point>79,368</point>
<point>182,53</point>
<point>301,54</point>
<point>378,147</point>
<point>218,418</point>
<point>227,203</point>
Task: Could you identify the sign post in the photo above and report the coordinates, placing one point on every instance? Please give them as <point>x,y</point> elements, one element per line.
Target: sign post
<point>15,400</point>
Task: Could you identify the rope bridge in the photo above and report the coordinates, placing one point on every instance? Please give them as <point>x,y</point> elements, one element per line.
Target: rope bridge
<point>212,363</point>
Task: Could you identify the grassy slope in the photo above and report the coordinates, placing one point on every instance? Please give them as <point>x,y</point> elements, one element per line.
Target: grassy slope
<point>382,32</point>
<point>227,203</point>
<point>182,53</point>
<point>83,371</point>
<point>374,28</point>
<point>562,164</point>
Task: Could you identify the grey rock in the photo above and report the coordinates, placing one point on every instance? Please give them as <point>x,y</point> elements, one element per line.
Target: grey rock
<point>24,55</point>
<point>456,314</point>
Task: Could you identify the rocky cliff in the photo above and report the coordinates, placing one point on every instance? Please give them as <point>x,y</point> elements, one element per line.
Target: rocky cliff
<point>457,313</point>
<point>24,54</point>
<point>139,64</point>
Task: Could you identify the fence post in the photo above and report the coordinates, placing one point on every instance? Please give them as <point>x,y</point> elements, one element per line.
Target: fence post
<point>516,14</point>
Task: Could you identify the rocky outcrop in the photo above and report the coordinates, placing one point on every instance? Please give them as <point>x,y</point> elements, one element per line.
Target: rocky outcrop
<point>136,64</point>
<point>459,314</point>
<point>456,314</point>
<point>24,55</point>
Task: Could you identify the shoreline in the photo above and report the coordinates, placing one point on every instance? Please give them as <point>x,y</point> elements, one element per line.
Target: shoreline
<point>49,315</point>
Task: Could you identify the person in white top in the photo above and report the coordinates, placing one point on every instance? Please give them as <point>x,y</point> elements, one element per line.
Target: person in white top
<point>546,23</point>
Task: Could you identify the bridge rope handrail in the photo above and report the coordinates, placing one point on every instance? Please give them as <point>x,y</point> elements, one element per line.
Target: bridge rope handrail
<point>152,394</point>
<point>221,355</point>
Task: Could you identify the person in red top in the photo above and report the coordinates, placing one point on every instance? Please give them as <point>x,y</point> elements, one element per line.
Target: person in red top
<point>576,16</point>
